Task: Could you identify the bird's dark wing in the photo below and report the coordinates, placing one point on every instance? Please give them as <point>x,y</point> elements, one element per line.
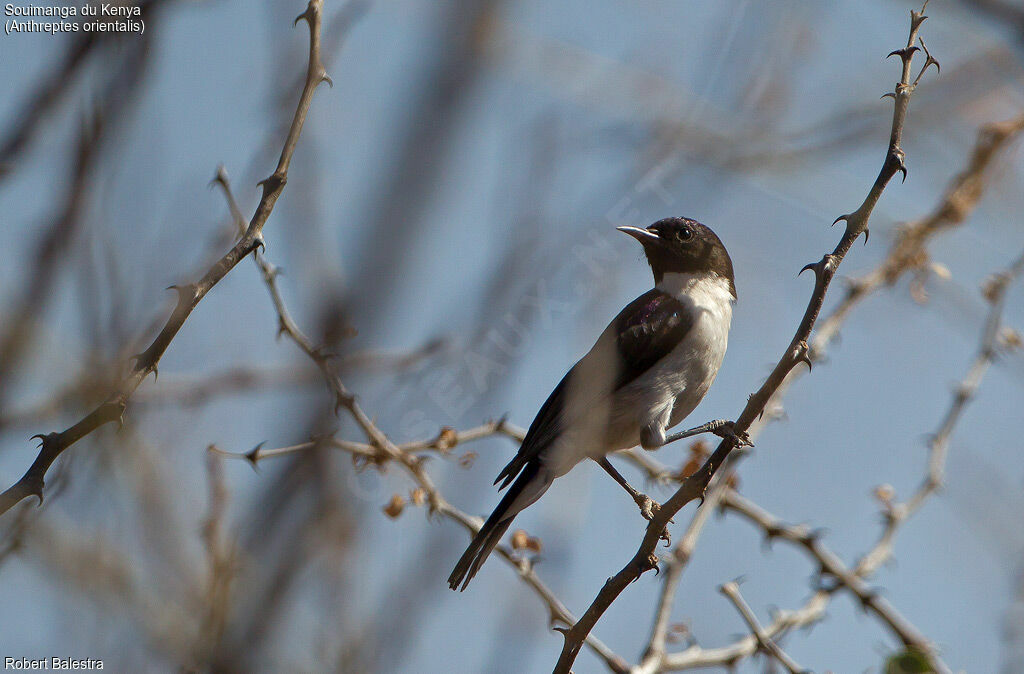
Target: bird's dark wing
<point>642,334</point>
<point>646,331</point>
<point>545,427</point>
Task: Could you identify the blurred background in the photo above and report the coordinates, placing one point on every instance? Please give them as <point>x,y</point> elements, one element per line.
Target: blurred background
<point>448,230</point>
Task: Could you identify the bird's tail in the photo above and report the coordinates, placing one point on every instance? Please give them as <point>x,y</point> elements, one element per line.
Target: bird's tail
<point>527,488</point>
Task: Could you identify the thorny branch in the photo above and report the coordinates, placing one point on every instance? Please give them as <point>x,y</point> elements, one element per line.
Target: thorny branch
<point>380,450</point>
<point>909,253</point>
<point>796,353</point>
<point>960,198</point>
<point>189,296</point>
<point>831,566</point>
<point>413,465</point>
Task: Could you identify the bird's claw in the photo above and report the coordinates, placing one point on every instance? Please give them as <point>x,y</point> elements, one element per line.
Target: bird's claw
<point>649,508</point>
<point>728,430</point>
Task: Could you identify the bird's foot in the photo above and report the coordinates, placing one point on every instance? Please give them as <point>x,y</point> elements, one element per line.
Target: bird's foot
<point>649,508</point>
<point>728,430</point>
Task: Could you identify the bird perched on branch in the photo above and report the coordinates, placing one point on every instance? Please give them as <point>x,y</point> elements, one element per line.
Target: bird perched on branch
<point>648,370</point>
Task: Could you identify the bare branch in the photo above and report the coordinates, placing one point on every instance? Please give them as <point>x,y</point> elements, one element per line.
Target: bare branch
<point>833,567</point>
<point>909,253</point>
<point>387,452</point>
<point>796,353</point>
<point>732,591</point>
<point>380,450</point>
<point>898,513</point>
<point>189,296</point>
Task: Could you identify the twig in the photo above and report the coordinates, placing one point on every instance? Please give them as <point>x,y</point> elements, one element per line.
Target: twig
<point>189,296</point>
<point>898,513</point>
<point>221,556</point>
<point>380,449</point>
<point>796,353</point>
<point>696,657</point>
<point>413,466</point>
<point>732,591</point>
<point>655,658</point>
<point>909,253</point>
<point>960,198</point>
<point>443,443</point>
<point>832,566</point>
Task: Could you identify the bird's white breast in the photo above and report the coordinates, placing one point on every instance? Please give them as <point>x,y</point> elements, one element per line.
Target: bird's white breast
<point>688,372</point>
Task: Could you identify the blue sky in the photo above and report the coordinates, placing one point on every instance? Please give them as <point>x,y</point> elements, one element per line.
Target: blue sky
<point>787,72</point>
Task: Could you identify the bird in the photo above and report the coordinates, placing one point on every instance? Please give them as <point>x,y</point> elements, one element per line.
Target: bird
<point>647,372</point>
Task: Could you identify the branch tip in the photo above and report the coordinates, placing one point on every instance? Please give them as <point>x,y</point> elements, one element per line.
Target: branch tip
<point>220,177</point>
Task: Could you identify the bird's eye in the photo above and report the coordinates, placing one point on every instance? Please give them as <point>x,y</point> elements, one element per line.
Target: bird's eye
<point>684,234</point>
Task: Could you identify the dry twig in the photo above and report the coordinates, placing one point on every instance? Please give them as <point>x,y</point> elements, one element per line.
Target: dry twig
<point>909,252</point>
<point>379,449</point>
<point>796,353</point>
<point>960,198</point>
<point>832,566</point>
<point>732,591</point>
<point>189,296</point>
<point>898,513</point>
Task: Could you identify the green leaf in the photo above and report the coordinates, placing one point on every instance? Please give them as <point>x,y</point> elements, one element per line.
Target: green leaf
<point>910,661</point>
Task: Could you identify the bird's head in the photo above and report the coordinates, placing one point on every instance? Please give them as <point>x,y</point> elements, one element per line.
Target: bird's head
<point>681,245</point>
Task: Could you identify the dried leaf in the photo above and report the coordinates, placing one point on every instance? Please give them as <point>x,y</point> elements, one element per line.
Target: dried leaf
<point>941,270</point>
<point>689,468</point>
<point>418,496</point>
<point>446,439</point>
<point>1009,339</point>
<point>885,493</point>
<point>520,540</point>
<point>395,506</point>
<point>993,286</point>
<point>467,459</point>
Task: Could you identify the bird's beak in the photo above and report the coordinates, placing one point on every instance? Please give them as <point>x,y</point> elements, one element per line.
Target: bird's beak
<point>644,236</point>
